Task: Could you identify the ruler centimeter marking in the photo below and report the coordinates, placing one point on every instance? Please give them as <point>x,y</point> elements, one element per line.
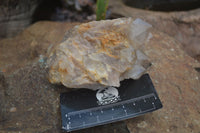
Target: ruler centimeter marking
<point>111,105</point>
<point>144,101</point>
<point>102,121</point>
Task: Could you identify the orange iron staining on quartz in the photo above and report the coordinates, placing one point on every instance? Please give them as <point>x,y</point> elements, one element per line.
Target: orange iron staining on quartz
<point>99,54</point>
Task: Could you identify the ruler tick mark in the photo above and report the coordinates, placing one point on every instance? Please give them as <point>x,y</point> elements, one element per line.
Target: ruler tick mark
<point>153,105</point>
<point>97,115</point>
<point>125,112</point>
<point>97,118</point>
<point>67,126</point>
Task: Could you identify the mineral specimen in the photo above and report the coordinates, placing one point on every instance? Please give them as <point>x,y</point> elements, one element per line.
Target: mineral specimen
<point>99,54</point>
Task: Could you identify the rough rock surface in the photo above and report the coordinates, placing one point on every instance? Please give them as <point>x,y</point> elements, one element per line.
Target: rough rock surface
<point>99,54</point>
<point>29,103</point>
<point>184,26</point>
<point>30,44</point>
<point>15,16</point>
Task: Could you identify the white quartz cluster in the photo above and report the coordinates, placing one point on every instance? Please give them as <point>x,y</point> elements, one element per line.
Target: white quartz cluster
<point>99,54</point>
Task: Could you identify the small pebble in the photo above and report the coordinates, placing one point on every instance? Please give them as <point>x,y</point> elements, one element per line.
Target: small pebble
<point>13,109</point>
<point>41,59</point>
<point>30,109</point>
<point>172,49</point>
<point>142,124</point>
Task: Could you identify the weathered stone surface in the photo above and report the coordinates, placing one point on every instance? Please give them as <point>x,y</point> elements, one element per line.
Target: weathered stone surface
<point>183,26</point>
<point>178,84</point>
<point>30,44</point>
<point>15,16</point>
<point>25,89</point>
<point>99,54</point>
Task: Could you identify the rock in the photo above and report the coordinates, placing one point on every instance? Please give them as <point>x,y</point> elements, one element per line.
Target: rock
<point>175,75</point>
<point>183,25</point>
<point>15,16</point>
<point>13,109</point>
<point>99,54</point>
<point>27,47</point>
<point>142,124</point>
<point>178,85</point>
<point>163,5</point>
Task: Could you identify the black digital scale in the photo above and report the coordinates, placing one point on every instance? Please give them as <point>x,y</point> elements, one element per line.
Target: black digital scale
<point>85,108</point>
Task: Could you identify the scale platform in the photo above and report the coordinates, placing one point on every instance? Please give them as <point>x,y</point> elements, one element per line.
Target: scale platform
<point>85,108</point>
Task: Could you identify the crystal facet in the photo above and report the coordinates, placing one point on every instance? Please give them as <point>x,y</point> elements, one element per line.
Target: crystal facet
<point>99,54</point>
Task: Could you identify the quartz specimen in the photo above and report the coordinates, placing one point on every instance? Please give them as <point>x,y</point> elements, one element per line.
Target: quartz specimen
<point>99,54</point>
